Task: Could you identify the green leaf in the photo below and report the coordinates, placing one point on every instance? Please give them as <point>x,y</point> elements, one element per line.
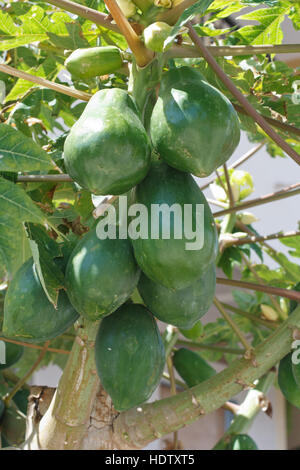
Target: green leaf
<point>294,243</point>
<point>199,8</point>
<point>19,153</point>
<point>44,250</point>
<point>15,207</point>
<point>269,30</point>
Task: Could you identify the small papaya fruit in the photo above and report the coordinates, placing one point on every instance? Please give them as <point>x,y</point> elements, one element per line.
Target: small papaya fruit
<point>191,367</point>
<point>28,314</point>
<point>101,275</point>
<point>108,151</point>
<point>194,127</point>
<point>242,442</point>
<point>155,35</point>
<point>13,352</point>
<point>129,355</point>
<point>179,307</point>
<point>166,255</point>
<point>193,333</point>
<point>93,62</point>
<point>287,382</point>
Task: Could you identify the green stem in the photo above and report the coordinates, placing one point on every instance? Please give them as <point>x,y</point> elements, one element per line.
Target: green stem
<point>254,318</point>
<point>254,402</point>
<point>170,338</point>
<point>134,429</point>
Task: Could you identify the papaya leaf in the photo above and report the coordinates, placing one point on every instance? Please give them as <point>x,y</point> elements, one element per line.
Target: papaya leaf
<point>199,8</point>
<point>268,31</point>
<point>15,207</point>
<point>294,244</point>
<point>73,40</point>
<point>44,249</point>
<point>19,153</point>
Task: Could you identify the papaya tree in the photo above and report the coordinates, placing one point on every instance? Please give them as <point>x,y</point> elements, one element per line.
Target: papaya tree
<point>111,113</point>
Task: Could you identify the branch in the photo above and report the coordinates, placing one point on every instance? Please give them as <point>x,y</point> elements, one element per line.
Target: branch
<point>288,293</point>
<point>188,51</point>
<point>33,346</point>
<point>261,238</point>
<point>282,194</point>
<point>137,427</point>
<point>209,347</point>
<point>62,178</point>
<point>81,10</point>
<point>142,55</point>
<point>81,95</point>
<point>240,97</point>
<point>267,323</point>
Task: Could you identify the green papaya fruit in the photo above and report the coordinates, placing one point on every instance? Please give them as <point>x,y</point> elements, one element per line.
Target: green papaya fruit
<point>2,408</point>
<point>242,442</point>
<point>287,382</point>
<point>13,352</point>
<point>94,61</point>
<point>28,314</point>
<point>181,307</point>
<point>101,275</point>
<point>191,367</point>
<point>108,151</point>
<point>194,127</point>
<point>172,261</point>
<point>129,355</point>
<point>296,372</point>
<point>155,35</point>
<point>295,356</point>
<point>193,333</point>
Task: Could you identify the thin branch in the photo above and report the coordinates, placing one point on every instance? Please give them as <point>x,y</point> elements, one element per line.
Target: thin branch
<point>177,381</point>
<point>232,325</point>
<point>268,324</point>
<point>288,293</point>
<point>81,10</point>
<point>209,347</point>
<point>142,55</point>
<point>262,238</point>
<point>188,51</point>
<point>81,95</point>
<point>240,97</point>
<point>24,379</point>
<point>62,178</point>
<point>238,162</point>
<point>229,188</point>
<point>282,194</point>
<point>33,346</point>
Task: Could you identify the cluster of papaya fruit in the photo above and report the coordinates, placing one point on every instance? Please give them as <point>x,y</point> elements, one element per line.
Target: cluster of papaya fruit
<point>109,151</point>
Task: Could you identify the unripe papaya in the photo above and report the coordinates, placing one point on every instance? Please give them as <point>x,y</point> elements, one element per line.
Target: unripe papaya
<point>93,62</point>
<point>13,352</point>
<point>193,333</point>
<point>155,35</point>
<point>191,367</point>
<point>194,127</point>
<point>171,259</point>
<point>287,382</point>
<point>242,442</point>
<point>28,314</point>
<point>101,275</point>
<point>108,151</point>
<point>183,307</point>
<point>129,355</point>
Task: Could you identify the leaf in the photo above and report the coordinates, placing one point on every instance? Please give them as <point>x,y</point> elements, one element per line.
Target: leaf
<point>44,250</point>
<point>243,299</point>
<point>73,40</point>
<point>19,153</point>
<point>294,243</point>
<point>269,30</point>
<point>199,8</point>
<point>15,207</point>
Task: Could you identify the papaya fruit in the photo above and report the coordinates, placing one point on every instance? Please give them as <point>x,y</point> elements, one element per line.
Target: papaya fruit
<point>191,367</point>
<point>193,333</point>
<point>28,314</point>
<point>287,382</point>
<point>194,127</point>
<point>129,355</point>
<point>155,35</point>
<point>101,275</point>
<point>296,372</point>
<point>179,307</point>
<point>13,352</point>
<point>242,442</point>
<point>165,258</point>
<point>108,151</point>
<point>93,62</point>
